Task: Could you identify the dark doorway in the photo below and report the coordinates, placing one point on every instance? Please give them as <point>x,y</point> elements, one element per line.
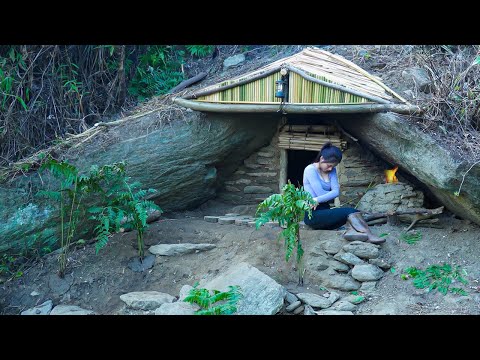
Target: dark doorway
<point>297,161</point>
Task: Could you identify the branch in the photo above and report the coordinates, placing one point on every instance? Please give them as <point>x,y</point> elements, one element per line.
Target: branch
<point>421,214</point>
<point>371,216</point>
<point>188,82</point>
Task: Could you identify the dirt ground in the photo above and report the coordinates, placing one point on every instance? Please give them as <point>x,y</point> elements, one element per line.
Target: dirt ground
<point>95,282</point>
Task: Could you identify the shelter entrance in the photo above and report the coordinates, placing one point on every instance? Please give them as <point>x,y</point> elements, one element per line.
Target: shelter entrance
<point>299,145</point>
<point>297,160</point>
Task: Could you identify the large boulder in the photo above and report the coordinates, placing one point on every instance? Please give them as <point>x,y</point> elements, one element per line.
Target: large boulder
<point>261,294</point>
<point>397,141</point>
<point>185,159</point>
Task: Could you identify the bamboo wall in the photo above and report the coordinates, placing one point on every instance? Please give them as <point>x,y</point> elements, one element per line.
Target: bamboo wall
<point>261,90</point>
<point>305,91</point>
<point>300,91</point>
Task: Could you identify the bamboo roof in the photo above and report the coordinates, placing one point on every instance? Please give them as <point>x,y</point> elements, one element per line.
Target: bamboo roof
<point>315,63</point>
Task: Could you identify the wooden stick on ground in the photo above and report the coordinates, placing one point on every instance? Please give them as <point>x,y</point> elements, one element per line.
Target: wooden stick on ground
<point>421,214</point>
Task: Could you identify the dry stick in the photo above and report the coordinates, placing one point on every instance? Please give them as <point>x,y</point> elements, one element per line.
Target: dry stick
<point>463,177</point>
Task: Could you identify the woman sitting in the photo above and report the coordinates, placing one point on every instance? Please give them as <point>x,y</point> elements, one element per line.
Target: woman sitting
<point>321,181</point>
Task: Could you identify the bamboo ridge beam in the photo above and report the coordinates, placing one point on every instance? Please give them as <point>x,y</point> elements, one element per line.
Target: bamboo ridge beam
<point>299,109</point>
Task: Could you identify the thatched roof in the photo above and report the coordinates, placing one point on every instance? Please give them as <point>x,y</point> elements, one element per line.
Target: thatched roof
<point>319,66</point>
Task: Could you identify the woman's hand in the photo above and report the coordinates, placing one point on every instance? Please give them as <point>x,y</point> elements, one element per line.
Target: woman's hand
<point>314,206</point>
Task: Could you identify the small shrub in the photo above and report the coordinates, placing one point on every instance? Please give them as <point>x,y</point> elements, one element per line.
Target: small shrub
<point>439,277</point>
<point>288,209</point>
<point>411,238</point>
<point>207,299</point>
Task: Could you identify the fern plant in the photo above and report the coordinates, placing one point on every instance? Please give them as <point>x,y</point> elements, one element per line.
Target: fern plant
<point>128,207</point>
<point>200,50</point>
<point>411,238</point>
<point>288,209</point>
<point>73,188</point>
<point>438,277</point>
<point>207,300</point>
<point>159,70</point>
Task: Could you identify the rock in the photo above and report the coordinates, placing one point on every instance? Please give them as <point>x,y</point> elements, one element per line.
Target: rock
<point>225,220</point>
<point>175,160</point>
<point>70,310</point>
<point>179,249</point>
<point>184,291</point>
<point>255,189</point>
<point>233,61</point>
<point>315,301</point>
<point>349,258</point>
<point>212,219</point>
<point>333,312</point>
<point>42,309</point>
<point>290,298</point>
<point>332,246</point>
<point>138,266</point>
<point>381,263</point>
<point>299,310</point>
<point>261,294</point>
<point>343,305</point>
<point>368,287</point>
<point>146,300</point>
<point>293,306</point>
<point>421,156</point>
<point>362,249</point>
<point>338,281</point>
<point>308,310</point>
<point>34,293</point>
<point>366,272</point>
<point>419,78</point>
<point>177,308</point>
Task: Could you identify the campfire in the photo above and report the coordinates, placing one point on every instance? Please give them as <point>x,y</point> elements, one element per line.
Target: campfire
<point>390,175</point>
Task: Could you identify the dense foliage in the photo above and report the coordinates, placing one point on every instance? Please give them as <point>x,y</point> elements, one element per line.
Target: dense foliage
<point>49,91</point>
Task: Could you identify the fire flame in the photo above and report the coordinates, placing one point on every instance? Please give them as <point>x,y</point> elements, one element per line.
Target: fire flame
<point>390,175</point>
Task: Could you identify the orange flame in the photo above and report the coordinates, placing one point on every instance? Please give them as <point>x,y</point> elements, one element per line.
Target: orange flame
<point>390,175</point>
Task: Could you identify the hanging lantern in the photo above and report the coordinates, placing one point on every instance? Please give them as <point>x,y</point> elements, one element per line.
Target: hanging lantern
<point>280,88</point>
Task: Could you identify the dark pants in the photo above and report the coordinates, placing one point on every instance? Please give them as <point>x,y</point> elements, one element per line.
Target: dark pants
<point>324,218</point>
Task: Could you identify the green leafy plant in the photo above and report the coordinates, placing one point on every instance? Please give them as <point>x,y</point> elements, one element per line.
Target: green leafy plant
<point>411,238</point>
<point>157,72</point>
<point>128,207</point>
<point>200,50</point>
<point>439,277</point>
<point>69,195</point>
<point>206,299</point>
<point>288,209</point>
<point>8,266</point>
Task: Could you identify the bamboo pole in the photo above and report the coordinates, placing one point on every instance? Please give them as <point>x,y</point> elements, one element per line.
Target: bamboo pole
<point>299,109</point>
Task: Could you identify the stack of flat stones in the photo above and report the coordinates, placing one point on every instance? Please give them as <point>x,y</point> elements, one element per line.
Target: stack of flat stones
<point>246,220</point>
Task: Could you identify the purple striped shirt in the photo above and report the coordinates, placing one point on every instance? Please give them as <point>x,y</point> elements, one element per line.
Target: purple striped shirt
<point>320,190</point>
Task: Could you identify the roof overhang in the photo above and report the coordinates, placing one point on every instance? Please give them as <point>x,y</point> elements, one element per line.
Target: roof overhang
<point>298,108</point>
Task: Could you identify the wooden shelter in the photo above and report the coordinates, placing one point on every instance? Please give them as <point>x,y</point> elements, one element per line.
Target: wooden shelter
<point>317,82</point>
<point>314,82</point>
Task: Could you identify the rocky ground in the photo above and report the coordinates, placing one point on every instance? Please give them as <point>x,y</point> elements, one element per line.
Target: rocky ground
<point>96,282</point>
